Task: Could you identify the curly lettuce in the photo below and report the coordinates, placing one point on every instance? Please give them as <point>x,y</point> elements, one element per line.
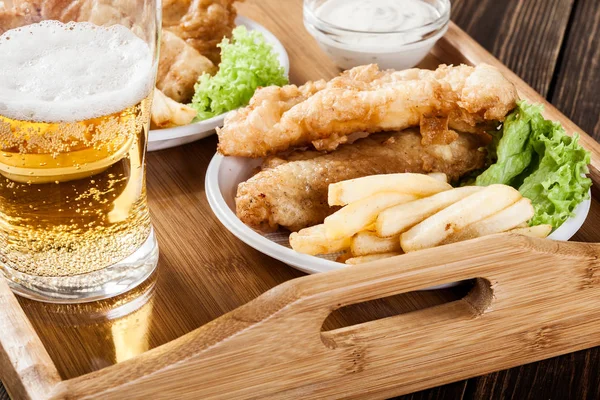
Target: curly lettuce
<point>547,166</point>
<point>247,62</point>
<point>513,149</point>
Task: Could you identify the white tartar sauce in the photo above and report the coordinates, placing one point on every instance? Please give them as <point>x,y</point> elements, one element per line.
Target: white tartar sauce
<point>392,33</point>
<point>377,15</point>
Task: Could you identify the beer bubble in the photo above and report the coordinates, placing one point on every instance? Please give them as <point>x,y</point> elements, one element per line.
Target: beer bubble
<point>73,75</point>
<point>61,213</point>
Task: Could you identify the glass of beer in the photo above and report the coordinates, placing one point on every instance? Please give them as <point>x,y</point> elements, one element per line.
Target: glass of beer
<point>76,82</point>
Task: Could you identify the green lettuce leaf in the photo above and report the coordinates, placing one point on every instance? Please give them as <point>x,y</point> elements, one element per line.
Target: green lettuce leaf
<point>558,183</point>
<point>247,62</point>
<point>513,151</point>
<point>547,166</point>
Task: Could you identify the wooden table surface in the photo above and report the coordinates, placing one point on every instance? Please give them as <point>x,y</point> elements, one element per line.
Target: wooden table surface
<point>554,45</point>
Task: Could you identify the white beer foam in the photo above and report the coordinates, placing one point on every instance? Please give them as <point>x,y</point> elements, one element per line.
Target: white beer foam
<point>54,72</point>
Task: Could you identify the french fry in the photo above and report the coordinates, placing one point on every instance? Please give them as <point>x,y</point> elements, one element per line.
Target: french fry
<point>507,219</point>
<point>440,176</point>
<point>476,207</point>
<point>365,243</point>
<point>538,231</point>
<point>371,228</point>
<point>369,258</point>
<point>350,191</point>
<point>166,112</point>
<point>343,257</point>
<point>400,218</point>
<point>313,241</point>
<point>357,216</point>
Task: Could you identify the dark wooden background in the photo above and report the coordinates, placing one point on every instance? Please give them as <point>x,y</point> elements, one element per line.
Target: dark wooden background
<point>554,45</point>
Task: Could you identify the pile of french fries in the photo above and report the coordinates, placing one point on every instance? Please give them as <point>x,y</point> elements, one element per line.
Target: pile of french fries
<point>387,215</point>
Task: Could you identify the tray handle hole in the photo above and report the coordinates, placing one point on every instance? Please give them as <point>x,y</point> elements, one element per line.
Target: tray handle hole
<point>471,299</point>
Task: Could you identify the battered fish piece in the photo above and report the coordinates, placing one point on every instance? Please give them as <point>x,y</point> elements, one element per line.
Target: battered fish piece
<point>19,13</point>
<point>293,194</point>
<point>464,98</point>
<point>201,23</point>
<point>179,67</point>
<point>99,12</point>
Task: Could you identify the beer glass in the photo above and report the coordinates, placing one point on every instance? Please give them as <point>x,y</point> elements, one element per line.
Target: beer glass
<point>76,82</point>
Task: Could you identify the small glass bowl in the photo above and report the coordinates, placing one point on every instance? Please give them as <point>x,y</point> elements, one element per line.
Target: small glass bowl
<point>394,49</point>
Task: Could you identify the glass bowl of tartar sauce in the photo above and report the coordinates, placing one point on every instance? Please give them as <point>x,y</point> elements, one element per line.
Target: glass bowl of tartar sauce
<point>396,34</point>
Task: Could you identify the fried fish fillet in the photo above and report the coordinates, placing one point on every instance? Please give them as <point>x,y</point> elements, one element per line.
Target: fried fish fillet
<point>201,23</point>
<point>292,192</point>
<point>179,67</point>
<point>99,12</point>
<point>19,13</point>
<point>461,98</point>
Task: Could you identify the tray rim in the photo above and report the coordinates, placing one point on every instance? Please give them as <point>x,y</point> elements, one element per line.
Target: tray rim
<point>28,371</point>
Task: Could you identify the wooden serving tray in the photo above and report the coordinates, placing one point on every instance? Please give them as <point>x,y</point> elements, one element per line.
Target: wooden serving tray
<point>188,332</point>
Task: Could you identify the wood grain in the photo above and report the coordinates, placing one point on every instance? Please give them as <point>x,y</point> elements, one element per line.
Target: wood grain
<point>3,394</point>
<point>205,272</point>
<point>572,376</point>
<point>578,77</point>
<point>537,298</point>
<point>452,391</point>
<point>574,91</point>
<point>25,366</point>
<point>526,36</point>
<point>528,43</point>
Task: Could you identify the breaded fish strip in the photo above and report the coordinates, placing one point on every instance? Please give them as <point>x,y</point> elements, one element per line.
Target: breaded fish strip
<point>201,23</point>
<point>292,192</point>
<point>179,67</point>
<point>365,99</point>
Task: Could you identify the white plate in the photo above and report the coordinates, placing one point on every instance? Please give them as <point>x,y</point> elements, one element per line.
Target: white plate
<point>225,173</point>
<point>159,139</point>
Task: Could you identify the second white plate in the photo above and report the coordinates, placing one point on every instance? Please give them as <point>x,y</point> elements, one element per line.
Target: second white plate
<point>222,179</point>
<point>159,139</point>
